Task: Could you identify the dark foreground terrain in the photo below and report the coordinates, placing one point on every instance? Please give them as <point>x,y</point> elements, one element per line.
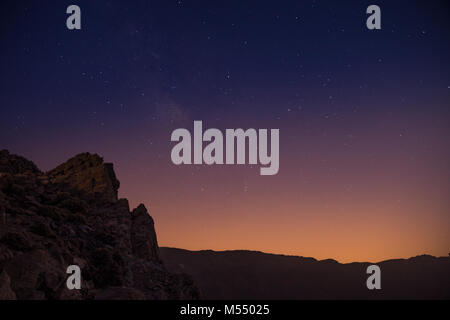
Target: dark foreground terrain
<point>257,275</point>
<point>71,215</point>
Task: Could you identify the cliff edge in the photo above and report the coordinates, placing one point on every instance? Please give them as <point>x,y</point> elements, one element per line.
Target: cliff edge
<point>71,215</point>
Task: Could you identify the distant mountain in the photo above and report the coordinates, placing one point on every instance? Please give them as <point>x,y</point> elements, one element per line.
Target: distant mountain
<point>71,215</point>
<point>257,275</point>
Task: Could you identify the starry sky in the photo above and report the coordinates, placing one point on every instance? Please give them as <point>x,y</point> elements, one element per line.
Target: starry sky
<point>363,116</point>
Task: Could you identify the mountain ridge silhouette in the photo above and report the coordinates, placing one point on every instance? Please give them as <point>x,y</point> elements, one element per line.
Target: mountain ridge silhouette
<point>244,274</point>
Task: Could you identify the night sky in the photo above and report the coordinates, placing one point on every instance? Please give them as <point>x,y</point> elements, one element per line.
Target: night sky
<point>363,116</point>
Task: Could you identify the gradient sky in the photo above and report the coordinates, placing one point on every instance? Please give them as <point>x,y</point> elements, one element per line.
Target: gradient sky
<point>363,116</point>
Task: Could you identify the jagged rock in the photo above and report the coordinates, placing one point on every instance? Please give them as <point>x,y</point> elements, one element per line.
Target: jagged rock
<point>48,222</point>
<point>143,236</point>
<point>14,164</point>
<point>88,173</point>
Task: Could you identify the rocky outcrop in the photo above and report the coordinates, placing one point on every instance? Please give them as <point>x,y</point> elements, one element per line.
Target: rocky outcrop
<point>71,215</point>
<point>143,236</point>
<point>88,173</point>
<point>13,164</point>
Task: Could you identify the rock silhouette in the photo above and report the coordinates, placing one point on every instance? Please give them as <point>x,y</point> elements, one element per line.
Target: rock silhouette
<point>255,275</point>
<point>71,215</point>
